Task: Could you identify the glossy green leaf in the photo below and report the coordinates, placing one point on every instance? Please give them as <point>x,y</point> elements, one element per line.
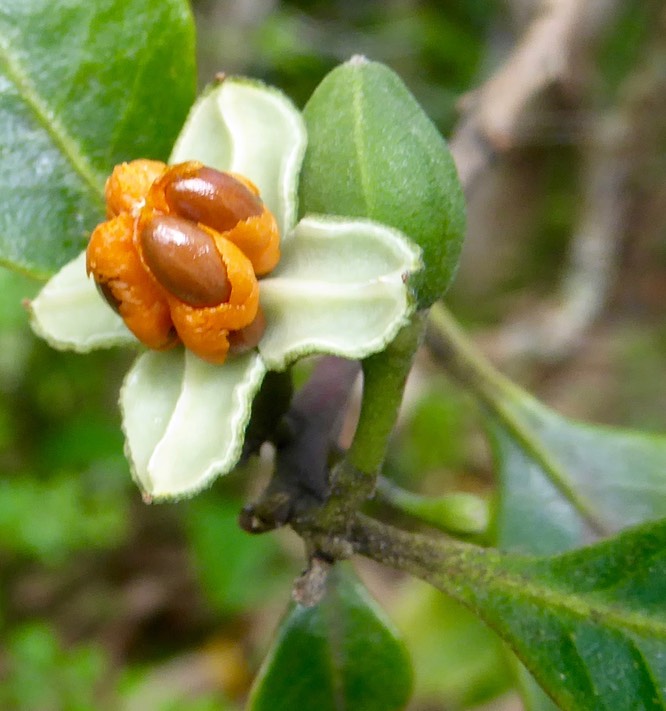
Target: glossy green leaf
<point>342,655</point>
<point>83,86</point>
<point>590,625</point>
<point>563,482</point>
<point>372,152</point>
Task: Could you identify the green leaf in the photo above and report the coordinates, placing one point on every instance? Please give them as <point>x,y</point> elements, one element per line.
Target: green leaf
<point>590,625</point>
<point>372,152</point>
<point>85,85</point>
<point>341,654</point>
<point>458,513</point>
<point>339,289</point>
<point>184,419</point>
<point>564,483</point>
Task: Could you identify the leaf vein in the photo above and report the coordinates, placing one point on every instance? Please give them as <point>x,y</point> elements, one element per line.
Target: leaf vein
<point>357,96</point>
<point>522,587</point>
<point>647,670</point>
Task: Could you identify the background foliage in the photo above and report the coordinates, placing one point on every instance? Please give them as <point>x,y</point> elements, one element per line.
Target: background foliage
<point>106,603</point>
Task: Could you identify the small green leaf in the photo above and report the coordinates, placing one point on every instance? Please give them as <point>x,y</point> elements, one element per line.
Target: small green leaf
<point>341,655</point>
<point>184,419</point>
<point>459,512</point>
<point>339,289</point>
<point>252,129</point>
<point>564,483</point>
<point>85,85</point>
<point>372,152</point>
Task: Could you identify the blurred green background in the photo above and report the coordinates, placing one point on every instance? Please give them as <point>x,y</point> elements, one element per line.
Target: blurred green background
<point>106,603</point>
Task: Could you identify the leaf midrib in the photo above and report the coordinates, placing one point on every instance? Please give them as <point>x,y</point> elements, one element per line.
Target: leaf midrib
<point>523,588</point>
<point>538,450</point>
<point>333,615</point>
<point>359,142</point>
<point>59,136</point>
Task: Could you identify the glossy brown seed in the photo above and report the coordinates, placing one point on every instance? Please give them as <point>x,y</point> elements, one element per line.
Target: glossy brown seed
<point>184,260</point>
<point>212,198</point>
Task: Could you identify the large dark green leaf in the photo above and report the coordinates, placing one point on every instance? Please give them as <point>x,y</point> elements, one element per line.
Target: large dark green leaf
<point>563,483</point>
<point>83,85</point>
<point>372,152</point>
<point>616,477</point>
<point>342,655</point>
<point>590,624</point>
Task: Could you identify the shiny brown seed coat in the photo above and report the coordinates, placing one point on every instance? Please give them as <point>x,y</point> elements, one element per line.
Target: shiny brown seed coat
<point>185,261</point>
<point>212,198</point>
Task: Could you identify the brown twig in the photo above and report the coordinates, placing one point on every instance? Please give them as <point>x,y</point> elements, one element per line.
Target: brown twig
<point>558,48</point>
<point>554,49</point>
<point>614,157</point>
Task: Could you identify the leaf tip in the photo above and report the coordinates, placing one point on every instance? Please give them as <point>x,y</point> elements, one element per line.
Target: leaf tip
<point>358,60</point>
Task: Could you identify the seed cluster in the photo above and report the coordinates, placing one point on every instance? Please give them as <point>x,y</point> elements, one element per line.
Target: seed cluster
<point>179,256</point>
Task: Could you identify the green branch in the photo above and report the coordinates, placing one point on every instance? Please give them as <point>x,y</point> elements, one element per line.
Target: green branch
<point>384,378</point>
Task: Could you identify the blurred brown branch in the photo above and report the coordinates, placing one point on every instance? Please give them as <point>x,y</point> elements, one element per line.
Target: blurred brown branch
<point>555,48</point>
<point>558,49</point>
